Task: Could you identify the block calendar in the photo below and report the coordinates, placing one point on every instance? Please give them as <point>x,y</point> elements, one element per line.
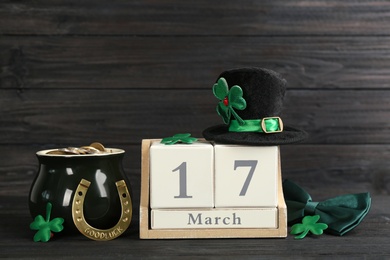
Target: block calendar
<point>208,190</point>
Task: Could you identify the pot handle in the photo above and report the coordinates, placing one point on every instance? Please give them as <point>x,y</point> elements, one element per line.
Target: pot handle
<point>95,233</point>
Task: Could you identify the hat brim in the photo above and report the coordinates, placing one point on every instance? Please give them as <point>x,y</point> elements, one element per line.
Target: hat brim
<point>221,134</point>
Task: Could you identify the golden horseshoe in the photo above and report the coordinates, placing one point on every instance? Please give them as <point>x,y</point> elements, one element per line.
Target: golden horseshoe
<point>101,234</point>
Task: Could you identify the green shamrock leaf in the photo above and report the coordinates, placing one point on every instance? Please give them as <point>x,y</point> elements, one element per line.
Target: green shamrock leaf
<point>179,138</point>
<point>45,227</point>
<point>309,224</point>
<point>229,100</point>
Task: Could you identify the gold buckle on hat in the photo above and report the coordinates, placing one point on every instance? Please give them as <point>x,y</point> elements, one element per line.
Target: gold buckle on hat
<point>280,124</point>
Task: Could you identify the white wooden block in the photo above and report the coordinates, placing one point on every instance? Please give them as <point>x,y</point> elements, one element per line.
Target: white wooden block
<point>181,175</point>
<point>214,218</point>
<point>246,176</point>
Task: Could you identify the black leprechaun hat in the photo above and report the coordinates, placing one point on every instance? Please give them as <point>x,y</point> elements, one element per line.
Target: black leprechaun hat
<point>251,101</point>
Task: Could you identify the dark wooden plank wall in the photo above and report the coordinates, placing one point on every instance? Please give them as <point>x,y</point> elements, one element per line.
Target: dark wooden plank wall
<point>72,72</point>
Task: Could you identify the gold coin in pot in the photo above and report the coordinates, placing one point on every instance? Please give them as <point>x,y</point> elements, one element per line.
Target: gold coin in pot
<point>98,146</point>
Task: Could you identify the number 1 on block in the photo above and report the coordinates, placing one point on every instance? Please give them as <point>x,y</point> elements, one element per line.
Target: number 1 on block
<point>182,180</point>
<point>181,175</point>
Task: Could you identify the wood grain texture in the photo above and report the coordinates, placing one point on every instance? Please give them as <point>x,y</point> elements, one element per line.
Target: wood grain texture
<point>175,17</point>
<point>190,62</point>
<point>127,116</point>
<point>369,240</point>
<point>73,72</point>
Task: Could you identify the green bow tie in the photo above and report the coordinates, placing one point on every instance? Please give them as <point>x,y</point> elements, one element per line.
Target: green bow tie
<point>341,214</point>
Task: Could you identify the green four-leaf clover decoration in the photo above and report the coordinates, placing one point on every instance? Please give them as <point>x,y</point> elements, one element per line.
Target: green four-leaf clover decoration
<point>309,224</point>
<point>179,138</point>
<point>46,227</point>
<point>229,100</point>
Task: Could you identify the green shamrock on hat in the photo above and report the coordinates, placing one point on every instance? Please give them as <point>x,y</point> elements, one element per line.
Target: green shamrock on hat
<point>229,100</point>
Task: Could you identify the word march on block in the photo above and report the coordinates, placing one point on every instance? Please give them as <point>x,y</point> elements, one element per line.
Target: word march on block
<point>218,188</point>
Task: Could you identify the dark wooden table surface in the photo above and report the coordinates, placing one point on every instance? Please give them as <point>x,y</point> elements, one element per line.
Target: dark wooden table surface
<point>117,72</point>
<point>370,240</point>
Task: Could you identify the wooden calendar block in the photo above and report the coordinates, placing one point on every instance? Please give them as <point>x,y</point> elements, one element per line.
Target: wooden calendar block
<point>181,175</point>
<point>215,218</point>
<point>246,176</point>
<point>151,217</point>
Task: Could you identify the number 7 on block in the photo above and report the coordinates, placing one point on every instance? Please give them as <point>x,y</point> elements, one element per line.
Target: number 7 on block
<point>245,163</point>
<point>246,176</point>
